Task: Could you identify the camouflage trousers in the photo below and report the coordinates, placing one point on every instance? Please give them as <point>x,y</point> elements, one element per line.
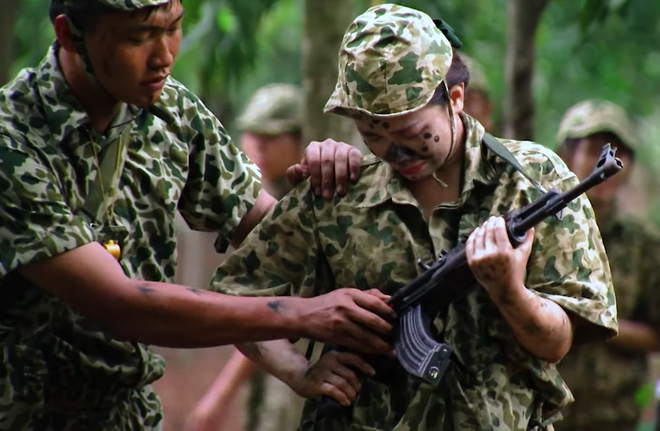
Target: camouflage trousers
<point>272,405</point>
<point>135,410</point>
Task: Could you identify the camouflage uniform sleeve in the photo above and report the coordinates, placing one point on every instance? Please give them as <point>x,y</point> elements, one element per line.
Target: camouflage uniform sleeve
<point>35,220</point>
<point>222,184</point>
<point>280,257</point>
<point>568,264</point>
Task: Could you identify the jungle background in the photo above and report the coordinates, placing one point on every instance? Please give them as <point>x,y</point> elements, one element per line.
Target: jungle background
<point>540,57</point>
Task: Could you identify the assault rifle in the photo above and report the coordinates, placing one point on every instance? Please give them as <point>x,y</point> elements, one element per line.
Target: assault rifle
<point>450,278</point>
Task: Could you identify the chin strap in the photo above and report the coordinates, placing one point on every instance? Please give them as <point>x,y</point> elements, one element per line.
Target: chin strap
<point>452,121</point>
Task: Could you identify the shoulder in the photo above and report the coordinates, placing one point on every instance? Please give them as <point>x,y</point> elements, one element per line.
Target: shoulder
<point>372,178</point>
<point>20,107</point>
<point>182,104</point>
<point>536,157</point>
<point>188,117</point>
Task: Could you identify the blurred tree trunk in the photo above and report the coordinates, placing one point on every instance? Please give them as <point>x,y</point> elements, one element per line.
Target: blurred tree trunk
<point>522,22</point>
<point>7,19</point>
<point>325,23</point>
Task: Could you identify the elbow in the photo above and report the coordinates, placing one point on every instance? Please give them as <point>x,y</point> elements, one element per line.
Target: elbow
<point>558,351</point>
<point>553,356</point>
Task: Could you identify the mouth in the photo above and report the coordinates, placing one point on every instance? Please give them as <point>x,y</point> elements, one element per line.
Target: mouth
<point>412,170</point>
<point>155,83</point>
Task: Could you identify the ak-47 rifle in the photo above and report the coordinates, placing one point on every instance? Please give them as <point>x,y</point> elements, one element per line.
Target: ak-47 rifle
<point>450,278</point>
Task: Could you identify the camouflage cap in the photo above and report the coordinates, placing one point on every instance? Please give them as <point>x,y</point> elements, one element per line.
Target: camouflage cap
<point>119,4</point>
<point>478,79</point>
<point>392,59</point>
<point>274,109</point>
<point>595,116</point>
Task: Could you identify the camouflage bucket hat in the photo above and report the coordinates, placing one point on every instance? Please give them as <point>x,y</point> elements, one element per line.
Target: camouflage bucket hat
<point>273,110</point>
<point>392,59</point>
<point>119,4</point>
<point>596,116</point>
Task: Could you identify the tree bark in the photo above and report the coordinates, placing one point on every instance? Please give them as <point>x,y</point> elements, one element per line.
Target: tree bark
<point>523,20</point>
<point>7,18</point>
<point>325,24</point>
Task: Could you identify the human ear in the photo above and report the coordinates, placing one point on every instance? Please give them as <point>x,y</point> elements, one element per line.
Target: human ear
<point>457,97</point>
<point>63,33</point>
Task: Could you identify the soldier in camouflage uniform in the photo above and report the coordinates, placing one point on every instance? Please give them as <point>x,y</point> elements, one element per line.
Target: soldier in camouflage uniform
<point>99,147</point>
<point>271,134</point>
<point>271,127</point>
<point>605,377</point>
<point>433,185</point>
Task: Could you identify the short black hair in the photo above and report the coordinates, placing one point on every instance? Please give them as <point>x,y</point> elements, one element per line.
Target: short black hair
<point>458,73</point>
<point>85,15</point>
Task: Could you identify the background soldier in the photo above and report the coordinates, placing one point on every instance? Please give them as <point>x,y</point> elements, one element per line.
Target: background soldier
<point>604,377</point>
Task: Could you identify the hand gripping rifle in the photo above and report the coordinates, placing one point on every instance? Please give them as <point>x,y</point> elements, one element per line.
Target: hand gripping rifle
<point>450,278</point>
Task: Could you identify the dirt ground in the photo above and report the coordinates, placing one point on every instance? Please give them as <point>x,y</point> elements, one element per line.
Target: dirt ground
<point>189,374</point>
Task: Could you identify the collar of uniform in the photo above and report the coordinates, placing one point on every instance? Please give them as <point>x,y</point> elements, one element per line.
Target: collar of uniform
<point>387,184</point>
<point>479,162</point>
<point>63,111</point>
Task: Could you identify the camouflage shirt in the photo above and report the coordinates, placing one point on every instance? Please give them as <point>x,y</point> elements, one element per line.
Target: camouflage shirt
<point>373,237</point>
<point>602,377</point>
<point>178,156</point>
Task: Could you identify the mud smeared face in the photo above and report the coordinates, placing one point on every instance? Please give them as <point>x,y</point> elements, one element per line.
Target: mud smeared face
<point>414,144</point>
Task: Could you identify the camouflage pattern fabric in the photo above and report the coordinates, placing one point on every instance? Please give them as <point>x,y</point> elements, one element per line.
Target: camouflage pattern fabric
<point>593,116</point>
<point>372,238</point>
<point>179,157</point>
<point>274,109</point>
<point>392,58</point>
<point>128,5</point>
<point>602,377</point>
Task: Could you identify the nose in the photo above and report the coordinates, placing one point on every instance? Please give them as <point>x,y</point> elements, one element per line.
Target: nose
<point>162,56</point>
<point>398,154</point>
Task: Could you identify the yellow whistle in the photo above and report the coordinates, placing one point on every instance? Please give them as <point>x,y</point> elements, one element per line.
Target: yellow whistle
<point>113,248</point>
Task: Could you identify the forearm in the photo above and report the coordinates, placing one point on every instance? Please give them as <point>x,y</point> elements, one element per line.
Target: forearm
<point>637,336</point>
<point>174,316</point>
<point>278,357</point>
<point>540,325</point>
<point>264,203</point>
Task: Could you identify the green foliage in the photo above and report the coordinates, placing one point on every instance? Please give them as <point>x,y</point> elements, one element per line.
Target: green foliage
<point>33,34</point>
<point>220,44</point>
<point>585,49</point>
